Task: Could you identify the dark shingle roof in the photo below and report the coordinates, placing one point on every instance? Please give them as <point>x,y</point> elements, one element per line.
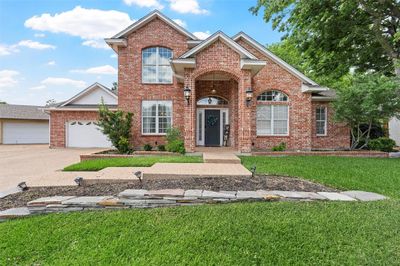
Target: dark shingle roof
<point>11,111</point>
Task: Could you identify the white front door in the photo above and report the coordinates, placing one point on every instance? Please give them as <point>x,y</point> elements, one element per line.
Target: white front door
<point>26,132</point>
<point>86,134</point>
<point>200,124</point>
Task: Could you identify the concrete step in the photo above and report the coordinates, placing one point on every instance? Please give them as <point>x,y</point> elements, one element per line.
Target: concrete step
<point>220,158</point>
<point>187,170</point>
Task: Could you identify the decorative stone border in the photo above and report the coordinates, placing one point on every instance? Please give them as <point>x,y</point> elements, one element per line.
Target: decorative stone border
<point>140,198</point>
<point>94,156</point>
<point>369,154</point>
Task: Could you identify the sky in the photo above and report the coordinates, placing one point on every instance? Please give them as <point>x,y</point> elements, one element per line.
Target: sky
<point>53,49</point>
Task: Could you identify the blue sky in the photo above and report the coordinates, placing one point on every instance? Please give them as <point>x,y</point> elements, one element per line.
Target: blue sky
<point>52,49</point>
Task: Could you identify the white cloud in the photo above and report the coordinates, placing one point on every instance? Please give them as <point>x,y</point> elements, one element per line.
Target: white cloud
<point>51,63</point>
<point>39,35</point>
<point>8,49</point>
<point>100,70</point>
<point>37,88</point>
<point>187,6</point>
<point>145,3</point>
<point>180,22</point>
<point>202,35</point>
<point>8,78</point>
<point>35,45</point>
<point>88,24</point>
<point>100,44</point>
<point>113,56</point>
<point>51,81</point>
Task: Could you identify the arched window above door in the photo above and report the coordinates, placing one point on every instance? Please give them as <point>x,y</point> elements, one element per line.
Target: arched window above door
<point>212,100</point>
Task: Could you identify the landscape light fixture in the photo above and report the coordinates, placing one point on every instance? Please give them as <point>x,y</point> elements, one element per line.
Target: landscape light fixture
<point>79,181</point>
<point>138,174</point>
<point>23,186</point>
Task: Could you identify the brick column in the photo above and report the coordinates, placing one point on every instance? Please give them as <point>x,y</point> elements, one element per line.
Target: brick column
<point>190,113</point>
<point>244,113</point>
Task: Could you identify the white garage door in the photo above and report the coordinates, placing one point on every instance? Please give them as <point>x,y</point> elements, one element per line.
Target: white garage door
<point>86,134</point>
<point>25,133</point>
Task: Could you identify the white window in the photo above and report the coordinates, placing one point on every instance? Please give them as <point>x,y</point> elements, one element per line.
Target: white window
<point>156,117</point>
<point>321,120</point>
<point>272,118</point>
<point>156,67</point>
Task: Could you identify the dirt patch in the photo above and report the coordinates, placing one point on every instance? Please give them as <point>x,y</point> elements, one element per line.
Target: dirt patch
<point>215,184</point>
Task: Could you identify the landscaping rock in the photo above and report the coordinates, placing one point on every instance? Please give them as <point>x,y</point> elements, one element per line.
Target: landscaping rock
<point>336,196</point>
<point>132,193</point>
<point>248,195</point>
<point>212,194</point>
<point>85,201</point>
<point>14,213</point>
<point>114,202</point>
<point>49,200</point>
<point>364,196</point>
<point>311,195</point>
<point>166,193</point>
<point>193,193</point>
<point>288,194</point>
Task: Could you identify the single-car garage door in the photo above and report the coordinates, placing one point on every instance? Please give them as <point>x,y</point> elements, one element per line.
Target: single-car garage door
<point>25,132</point>
<point>86,134</point>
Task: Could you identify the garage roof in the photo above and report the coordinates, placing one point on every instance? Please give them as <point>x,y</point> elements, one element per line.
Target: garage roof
<point>30,112</point>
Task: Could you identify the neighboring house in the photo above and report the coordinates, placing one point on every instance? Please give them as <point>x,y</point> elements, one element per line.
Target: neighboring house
<point>167,77</point>
<point>23,124</point>
<point>394,130</point>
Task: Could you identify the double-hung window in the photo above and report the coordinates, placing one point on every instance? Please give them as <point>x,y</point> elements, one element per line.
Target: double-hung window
<point>156,67</point>
<point>321,120</point>
<point>156,117</point>
<point>272,114</point>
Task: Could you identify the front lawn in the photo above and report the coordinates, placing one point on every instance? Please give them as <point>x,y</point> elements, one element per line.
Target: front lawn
<point>137,161</point>
<point>282,233</point>
<point>381,175</point>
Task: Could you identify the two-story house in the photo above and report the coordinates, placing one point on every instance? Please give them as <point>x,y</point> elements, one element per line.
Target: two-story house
<point>220,87</point>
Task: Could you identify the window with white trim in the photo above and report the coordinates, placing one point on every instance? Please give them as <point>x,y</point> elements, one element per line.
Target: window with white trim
<point>272,117</point>
<point>321,120</point>
<point>155,65</point>
<point>156,117</point>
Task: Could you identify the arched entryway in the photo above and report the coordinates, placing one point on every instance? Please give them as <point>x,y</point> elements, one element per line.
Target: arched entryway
<point>216,109</point>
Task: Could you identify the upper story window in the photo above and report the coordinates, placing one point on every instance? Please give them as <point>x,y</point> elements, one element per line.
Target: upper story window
<point>212,100</point>
<point>272,114</point>
<point>156,67</point>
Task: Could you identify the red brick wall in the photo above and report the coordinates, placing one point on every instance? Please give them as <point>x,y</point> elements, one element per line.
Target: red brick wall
<point>338,134</point>
<point>131,91</point>
<point>58,119</point>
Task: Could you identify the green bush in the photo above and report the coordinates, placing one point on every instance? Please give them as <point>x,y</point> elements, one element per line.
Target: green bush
<point>382,144</point>
<point>116,125</point>
<point>176,146</point>
<point>147,147</point>
<point>173,134</point>
<point>280,147</point>
<point>161,147</point>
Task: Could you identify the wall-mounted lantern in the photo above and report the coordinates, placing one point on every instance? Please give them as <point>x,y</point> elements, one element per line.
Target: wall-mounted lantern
<point>249,96</point>
<point>186,92</point>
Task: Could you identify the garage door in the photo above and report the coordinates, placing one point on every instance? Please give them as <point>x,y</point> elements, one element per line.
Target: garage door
<point>86,134</point>
<point>25,133</point>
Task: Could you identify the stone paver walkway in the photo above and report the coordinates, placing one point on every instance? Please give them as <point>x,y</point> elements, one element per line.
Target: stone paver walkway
<point>140,198</point>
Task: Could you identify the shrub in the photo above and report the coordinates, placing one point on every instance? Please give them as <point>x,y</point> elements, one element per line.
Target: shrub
<point>147,147</point>
<point>175,141</point>
<point>382,144</point>
<point>280,147</point>
<point>116,126</point>
<point>161,147</point>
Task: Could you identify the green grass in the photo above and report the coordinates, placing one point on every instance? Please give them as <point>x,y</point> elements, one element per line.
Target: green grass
<point>138,161</point>
<point>381,175</point>
<point>283,233</point>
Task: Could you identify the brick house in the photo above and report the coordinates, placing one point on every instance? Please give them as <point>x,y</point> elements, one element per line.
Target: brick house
<point>220,88</point>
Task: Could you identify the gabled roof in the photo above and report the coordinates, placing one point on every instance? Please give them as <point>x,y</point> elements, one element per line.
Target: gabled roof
<point>88,90</point>
<point>28,112</point>
<point>219,35</point>
<point>149,17</point>
<point>274,57</point>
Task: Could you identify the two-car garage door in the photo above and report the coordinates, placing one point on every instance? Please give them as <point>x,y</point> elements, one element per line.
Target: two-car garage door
<point>85,134</point>
<point>25,132</point>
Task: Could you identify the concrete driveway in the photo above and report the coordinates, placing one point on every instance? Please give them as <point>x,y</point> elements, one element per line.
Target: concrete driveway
<point>37,165</point>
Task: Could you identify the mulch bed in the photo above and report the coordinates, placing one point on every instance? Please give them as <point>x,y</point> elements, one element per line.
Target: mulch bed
<point>215,184</point>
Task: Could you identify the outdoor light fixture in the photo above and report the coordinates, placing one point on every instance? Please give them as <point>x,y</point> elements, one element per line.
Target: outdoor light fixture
<point>22,186</point>
<point>79,181</point>
<point>138,174</point>
<point>253,170</point>
<point>249,96</point>
<point>186,93</point>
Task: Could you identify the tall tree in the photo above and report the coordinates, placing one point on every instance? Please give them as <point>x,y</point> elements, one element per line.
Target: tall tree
<point>336,35</point>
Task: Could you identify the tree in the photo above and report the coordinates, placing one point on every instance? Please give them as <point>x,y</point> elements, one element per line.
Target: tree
<point>117,126</point>
<point>336,35</point>
<point>366,100</point>
<point>50,102</point>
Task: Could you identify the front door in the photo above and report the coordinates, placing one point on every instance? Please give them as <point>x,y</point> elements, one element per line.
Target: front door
<point>212,126</point>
